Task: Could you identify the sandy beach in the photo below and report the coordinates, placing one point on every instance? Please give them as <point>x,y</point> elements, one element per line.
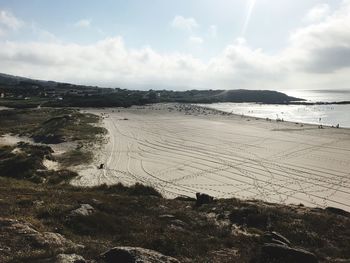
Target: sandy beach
<point>181,150</point>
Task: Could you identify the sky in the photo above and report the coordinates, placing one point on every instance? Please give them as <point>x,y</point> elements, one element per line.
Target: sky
<point>183,44</point>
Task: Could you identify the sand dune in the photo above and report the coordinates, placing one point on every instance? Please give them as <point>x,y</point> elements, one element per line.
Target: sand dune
<point>181,152</point>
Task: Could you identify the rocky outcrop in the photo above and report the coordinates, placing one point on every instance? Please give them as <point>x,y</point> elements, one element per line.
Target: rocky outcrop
<point>83,210</point>
<point>25,237</point>
<point>69,258</point>
<point>135,255</point>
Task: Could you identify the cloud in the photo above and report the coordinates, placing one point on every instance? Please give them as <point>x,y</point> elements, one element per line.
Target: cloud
<point>9,21</point>
<point>196,40</point>
<point>317,13</point>
<point>317,55</point>
<point>323,47</point>
<point>83,23</point>
<point>183,23</point>
<point>107,62</point>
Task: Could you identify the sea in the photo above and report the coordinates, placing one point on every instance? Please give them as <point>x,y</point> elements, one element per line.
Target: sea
<point>329,115</point>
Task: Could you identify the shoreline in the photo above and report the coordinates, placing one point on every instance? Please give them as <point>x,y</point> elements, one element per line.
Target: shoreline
<point>281,120</point>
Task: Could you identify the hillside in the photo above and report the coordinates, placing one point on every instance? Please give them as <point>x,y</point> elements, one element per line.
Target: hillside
<point>23,92</point>
<point>88,222</point>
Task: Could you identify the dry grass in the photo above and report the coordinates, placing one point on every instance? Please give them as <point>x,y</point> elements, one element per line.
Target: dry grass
<point>132,216</point>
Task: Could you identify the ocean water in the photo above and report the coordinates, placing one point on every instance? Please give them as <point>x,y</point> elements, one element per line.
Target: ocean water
<point>331,114</point>
<point>321,95</point>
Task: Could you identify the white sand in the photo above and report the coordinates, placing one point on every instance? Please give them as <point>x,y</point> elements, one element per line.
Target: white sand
<point>224,156</point>
<point>8,139</point>
<point>51,165</point>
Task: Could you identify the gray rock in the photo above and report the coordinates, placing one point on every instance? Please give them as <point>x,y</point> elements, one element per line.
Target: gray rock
<point>281,253</point>
<point>135,255</point>
<point>178,222</point>
<point>167,216</point>
<point>83,210</point>
<point>69,258</point>
<point>36,239</point>
<point>55,240</point>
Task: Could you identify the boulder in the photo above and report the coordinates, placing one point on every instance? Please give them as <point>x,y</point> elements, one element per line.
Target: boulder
<point>271,252</point>
<point>35,239</point>
<point>135,255</point>
<point>55,241</point>
<point>203,199</point>
<point>83,210</point>
<point>69,258</point>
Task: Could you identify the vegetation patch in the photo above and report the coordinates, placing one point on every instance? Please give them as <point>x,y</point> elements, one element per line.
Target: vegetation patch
<point>175,227</point>
<point>75,157</point>
<point>136,189</point>
<point>46,126</point>
<point>25,161</point>
<point>49,125</point>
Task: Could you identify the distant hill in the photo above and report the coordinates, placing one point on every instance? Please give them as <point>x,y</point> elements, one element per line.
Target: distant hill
<point>58,94</point>
<point>239,95</point>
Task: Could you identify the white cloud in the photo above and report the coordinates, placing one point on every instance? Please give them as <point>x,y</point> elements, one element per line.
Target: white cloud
<point>196,40</point>
<point>183,23</point>
<point>83,23</point>
<point>323,47</point>
<point>9,21</point>
<point>107,62</point>
<point>317,56</point>
<point>213,31</point>
<point>317,13</point>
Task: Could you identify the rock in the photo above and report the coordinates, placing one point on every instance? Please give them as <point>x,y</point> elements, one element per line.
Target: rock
<point>203,199</point>
<point>83,210</point>
<point>135,255</point>
<point>69,258</point>
<point>281,253</point>
<point>38,203</point>
<point>277,238</point>
<point>167,216</point>
<point>96,201</point>
<point>35,239</point>
<point>55,240</point>
<point>224,255</point>
<point>337,211</point>
<point>178,222</point>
